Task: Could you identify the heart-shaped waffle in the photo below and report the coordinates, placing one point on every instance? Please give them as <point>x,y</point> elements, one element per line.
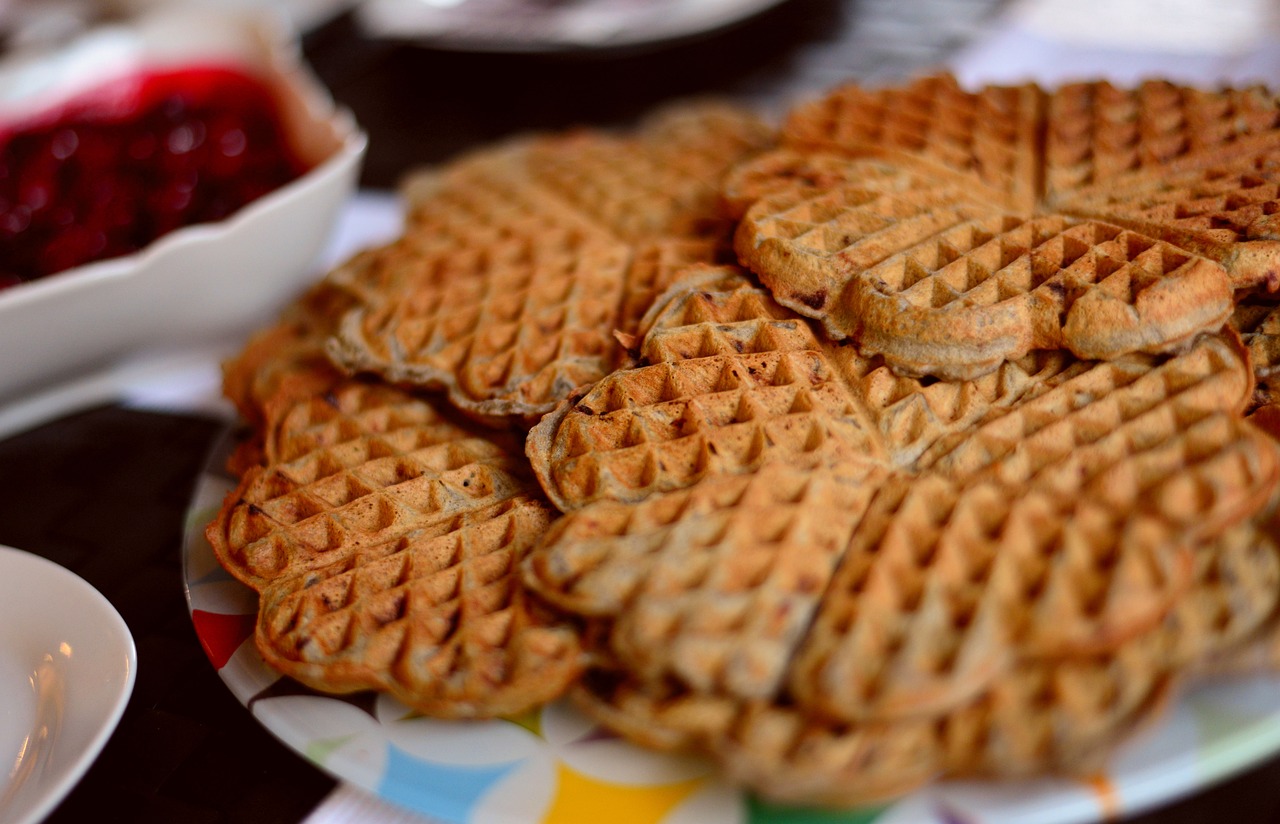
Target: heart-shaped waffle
<point>435,617</point>
<point>1127,231</point>
<point>518,263</point>
<point>1193,167</point>
<point>384,539</point>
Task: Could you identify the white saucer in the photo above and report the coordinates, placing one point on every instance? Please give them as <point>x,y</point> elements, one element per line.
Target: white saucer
<point>67,667</point>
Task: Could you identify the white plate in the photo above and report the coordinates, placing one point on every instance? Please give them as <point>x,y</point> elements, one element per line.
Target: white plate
<point>67,667</point>
<point>549,25</point>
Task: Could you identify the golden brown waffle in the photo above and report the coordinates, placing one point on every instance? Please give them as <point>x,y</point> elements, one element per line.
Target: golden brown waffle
<point>944,587</point>
<point>524,327</point>
<point>361,463</point>
<point>1098,135</point>
<point>662,181</point>
<point>383,538</point>
<point>992,290</point>
<point>519,263</point>
<point>1181,412</point>
<point>1126,231</point>
<point>435,617</point>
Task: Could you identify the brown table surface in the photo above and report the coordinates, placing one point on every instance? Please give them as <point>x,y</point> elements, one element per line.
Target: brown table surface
<point>104,491</point>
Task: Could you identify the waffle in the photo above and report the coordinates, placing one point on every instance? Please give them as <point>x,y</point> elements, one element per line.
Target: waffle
<point>1188,166</point>
<point>1099,136</point>
<point>435,618</point>
<point>1126,231</point>
<point>519,263</point>
<point>943,587</point>
<point>735,395</point>
<point>383,538</point>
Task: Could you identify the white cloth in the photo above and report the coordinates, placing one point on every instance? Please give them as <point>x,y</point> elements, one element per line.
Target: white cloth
<point>1127,41</point>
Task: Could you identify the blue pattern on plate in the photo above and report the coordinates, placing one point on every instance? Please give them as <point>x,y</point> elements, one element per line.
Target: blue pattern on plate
<point>446,791</point>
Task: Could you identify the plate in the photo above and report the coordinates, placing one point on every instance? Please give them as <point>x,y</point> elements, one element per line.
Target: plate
<point>67,667</point>
<point>553,765</point>
<point>549,25</point>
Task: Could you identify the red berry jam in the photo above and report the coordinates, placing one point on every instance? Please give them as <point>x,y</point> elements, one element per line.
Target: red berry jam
<point>116,168</point>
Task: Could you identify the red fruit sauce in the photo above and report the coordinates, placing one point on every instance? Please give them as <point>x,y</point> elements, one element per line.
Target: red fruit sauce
<point>113,169</point>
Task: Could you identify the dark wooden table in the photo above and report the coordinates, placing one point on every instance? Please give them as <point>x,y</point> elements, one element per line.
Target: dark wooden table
<point>104,491</point>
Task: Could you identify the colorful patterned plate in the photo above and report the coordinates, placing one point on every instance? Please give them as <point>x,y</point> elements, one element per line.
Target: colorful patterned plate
<point>554,767</point>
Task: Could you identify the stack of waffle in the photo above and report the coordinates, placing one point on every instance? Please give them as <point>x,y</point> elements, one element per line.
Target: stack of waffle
<point>930,436</point>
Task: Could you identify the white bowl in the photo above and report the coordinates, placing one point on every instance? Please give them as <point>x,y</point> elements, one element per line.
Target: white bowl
<point>204,282</point>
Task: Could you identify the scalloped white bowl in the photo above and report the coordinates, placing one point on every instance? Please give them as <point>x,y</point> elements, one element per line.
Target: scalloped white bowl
<point>201,283</point>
